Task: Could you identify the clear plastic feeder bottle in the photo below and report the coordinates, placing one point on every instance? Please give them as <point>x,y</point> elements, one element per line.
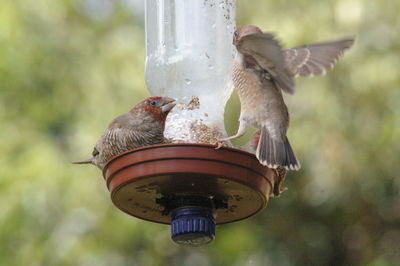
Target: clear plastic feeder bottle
<point>189,56</point>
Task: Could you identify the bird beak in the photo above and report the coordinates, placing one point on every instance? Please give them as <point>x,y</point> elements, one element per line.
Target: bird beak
<point>168,105</point>
<point>90,160</point>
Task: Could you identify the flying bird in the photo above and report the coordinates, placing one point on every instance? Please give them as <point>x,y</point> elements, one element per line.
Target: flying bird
<point>262,69</point>
<point>143,125</point>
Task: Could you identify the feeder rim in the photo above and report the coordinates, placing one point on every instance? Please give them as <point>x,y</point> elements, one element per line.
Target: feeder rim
<point>183,144</point>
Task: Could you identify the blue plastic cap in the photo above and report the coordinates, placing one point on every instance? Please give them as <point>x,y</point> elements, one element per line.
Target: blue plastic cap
<point>192,226</point>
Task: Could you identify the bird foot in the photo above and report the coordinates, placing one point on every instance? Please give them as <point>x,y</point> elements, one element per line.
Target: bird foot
<point>220,143</point>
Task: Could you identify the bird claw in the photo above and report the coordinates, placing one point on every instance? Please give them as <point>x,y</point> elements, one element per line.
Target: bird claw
<point>219,144</point>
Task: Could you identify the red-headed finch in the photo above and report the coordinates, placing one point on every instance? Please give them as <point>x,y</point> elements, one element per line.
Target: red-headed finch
<point>262,69</point>
<point>143,125</point>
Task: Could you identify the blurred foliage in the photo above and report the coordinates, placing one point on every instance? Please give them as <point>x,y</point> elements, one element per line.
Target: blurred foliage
<point>68,67</point>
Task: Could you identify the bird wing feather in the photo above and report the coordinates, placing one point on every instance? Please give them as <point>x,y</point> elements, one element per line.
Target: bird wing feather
<point>267,52</point>
<point>314,59</point>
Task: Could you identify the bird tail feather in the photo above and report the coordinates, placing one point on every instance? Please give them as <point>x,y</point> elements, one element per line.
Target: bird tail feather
<point>274,153</point>
<point>90,160</point>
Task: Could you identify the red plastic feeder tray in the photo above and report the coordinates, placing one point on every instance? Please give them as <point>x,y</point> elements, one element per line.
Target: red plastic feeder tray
<point>152,182</point>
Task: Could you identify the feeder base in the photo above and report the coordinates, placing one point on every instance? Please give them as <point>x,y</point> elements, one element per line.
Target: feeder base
<point>192,226</point>
<point>237,185</point>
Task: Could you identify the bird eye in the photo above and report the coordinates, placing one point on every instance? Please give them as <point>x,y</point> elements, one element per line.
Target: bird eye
<point>153,103</point>
<point>235,34</point>
<point>95,152</point>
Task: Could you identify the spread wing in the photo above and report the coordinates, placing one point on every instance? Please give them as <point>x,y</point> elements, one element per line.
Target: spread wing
<point>314,59</point>
<point>268,54</point>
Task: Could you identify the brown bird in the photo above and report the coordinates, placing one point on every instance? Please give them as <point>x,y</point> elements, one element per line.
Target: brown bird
<point>143,125</point>
<point>280,172</point>
<point>262,69</point>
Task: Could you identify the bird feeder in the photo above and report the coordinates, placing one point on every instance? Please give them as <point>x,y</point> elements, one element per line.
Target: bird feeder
<point>188,183</point>
<point>189,57</point>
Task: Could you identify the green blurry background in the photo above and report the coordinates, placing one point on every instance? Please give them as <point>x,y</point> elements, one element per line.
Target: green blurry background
<point>68,67</point>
